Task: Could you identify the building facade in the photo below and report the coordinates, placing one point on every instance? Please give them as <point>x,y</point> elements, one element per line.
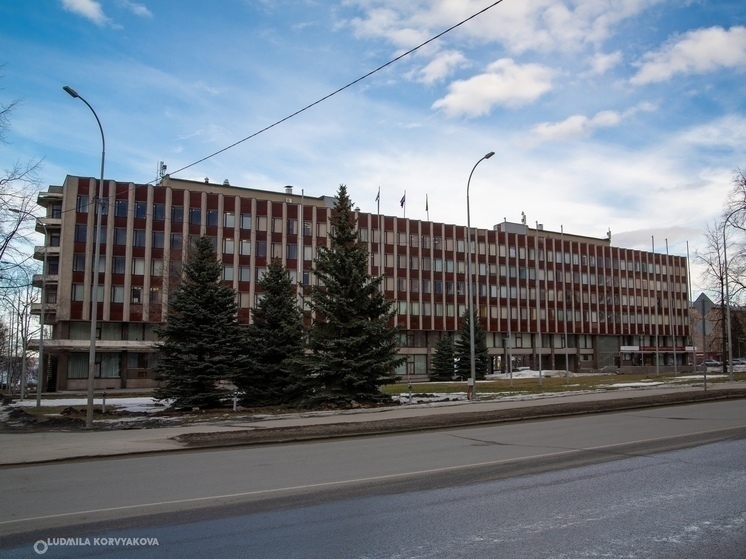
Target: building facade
<point>545,299</point>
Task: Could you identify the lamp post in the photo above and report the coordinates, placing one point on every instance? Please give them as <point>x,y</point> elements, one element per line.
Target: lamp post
<point>472,351</point>
<point>727,295</point>
<point>97,252</point>
<point>40,374</point>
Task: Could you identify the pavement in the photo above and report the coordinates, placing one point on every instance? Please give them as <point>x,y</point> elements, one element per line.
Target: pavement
<point>28,447</point>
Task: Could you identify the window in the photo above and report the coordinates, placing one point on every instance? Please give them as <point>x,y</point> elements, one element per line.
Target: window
<point>261,249</point>
<point>81,232</point>
<point>56,211</point>
<point>120,208</point>
<point>321,229</point>
<point>244,273</point>
<point>228,246</point>
<point>212,218</point>
<point>158,239</point>
<point>307,253</point>
<point>195,216</point>
<point>156,267</point>
<point>79,263</point>
<point>81,204</point>
<point>136,296</point>
<point>229,220</point>
<point>245,247</point>
<point>53,266</point>
<point>117,264</point>
<point>117,294</point>
<point>141,210</point>
<point>138,266</point>
<point>77,292</point>
<point>261,223</point>
<point>292,227</point>
<point>177,241</point>
<point>306,228</point>
<point>138,237</point>
<point>292,251</point>
<point>228,272</point>
<point>155,295</point>
<point>276,250</point>
<point>177,214</point>
<point>159,212</point>
<point>245,221</point>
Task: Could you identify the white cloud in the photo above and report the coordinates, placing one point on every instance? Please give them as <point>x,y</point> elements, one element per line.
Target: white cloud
<point>578,126</point>
<point>601,62</point>
<point>504,83</point>
<point>442,66</point>
<point>137,9</point>
<point>89,9</point>
<point>695,52</point>
<point>538,25</point>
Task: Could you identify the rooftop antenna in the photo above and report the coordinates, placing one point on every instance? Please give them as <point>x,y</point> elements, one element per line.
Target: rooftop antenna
<point>161,172</point>
<point>523,218</point>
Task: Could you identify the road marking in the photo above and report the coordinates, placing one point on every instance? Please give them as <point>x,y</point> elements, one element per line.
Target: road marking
<point>358,480</point>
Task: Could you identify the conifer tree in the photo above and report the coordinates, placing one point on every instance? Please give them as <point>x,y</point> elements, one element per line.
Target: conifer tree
<point>463,350</point>
<point>202,341</point>
<point>442,363</point>
<point>276,341</point>
<point>353,349</point>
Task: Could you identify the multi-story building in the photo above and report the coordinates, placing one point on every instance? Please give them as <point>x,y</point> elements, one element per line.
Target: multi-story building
<point>544,298</point>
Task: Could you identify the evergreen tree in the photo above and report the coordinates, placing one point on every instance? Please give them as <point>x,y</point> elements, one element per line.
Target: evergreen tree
<point>353,350</point>
<point>276,339</point>
<point>202,341</point>
<point>442,363</point>
<point>463,350</point>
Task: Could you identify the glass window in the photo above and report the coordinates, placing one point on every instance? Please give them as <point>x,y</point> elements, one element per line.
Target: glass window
<point>306,228</point>
<point>136,297</point>
<point>81,204</point>
<point>158,239</point>
<point>177,214</point>
<point>117,264</point>
<point>155,295</point>
<point>261,223</point>
<point>245,247</point>
<point>261,249</point>
<point>156,267</point>
<point>177,241</point>
<point>138,266</point>
<point>77,292</point>
<point>292,251</point>
<point>81,232</point>
<point>212,218</point>
<point>244,273</point>
<point>228,246</point>
<point>229,220</point>
<point>159,212</point>
<point>245,221</point>
<point>138,237</point>
<point>195,216</point>
<point>141,210</point>
<point>120,208</point>
<point>228,272</point>
<point>78,262</point>
<point>120,236</point>
<point>117,294</point>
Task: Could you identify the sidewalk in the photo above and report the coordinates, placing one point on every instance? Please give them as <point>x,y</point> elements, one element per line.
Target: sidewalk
<point>20,448</point>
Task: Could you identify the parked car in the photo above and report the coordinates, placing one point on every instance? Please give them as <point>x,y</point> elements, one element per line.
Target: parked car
<point>712,363</point>
<point>739,361</point>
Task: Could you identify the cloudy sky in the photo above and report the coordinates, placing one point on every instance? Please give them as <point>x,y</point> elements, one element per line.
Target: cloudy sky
<point>627,116</point>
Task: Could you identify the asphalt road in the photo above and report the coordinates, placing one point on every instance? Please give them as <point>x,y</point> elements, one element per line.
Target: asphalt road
<point>304,490</point>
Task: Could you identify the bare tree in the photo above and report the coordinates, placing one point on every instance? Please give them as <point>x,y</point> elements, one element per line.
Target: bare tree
<point>19,185</point>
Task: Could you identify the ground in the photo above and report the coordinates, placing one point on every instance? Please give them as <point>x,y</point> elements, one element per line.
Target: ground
<point>140,412</point>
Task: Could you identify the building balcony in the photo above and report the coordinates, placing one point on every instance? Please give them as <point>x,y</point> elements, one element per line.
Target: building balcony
<point>50,312</point>
<point>52,280</point>
<point>49,223</point>
<point>50,251</point>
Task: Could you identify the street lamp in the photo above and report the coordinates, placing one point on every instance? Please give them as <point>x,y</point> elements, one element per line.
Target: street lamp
<point>40,374</point>
<point>97,252</point>
<point>727,295</point>
<point>469,293</point>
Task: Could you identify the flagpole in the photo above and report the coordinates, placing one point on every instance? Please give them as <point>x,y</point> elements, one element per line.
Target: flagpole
<point>380,234</point>
<point>427,208</point>
<point>404,204</point>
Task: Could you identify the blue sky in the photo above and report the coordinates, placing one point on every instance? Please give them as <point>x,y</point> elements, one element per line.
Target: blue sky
<point>604,114</point>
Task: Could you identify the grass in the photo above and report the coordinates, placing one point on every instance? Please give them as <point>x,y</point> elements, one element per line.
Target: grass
<point>549,384</point>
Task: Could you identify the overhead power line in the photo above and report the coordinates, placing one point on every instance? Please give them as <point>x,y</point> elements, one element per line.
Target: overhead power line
<point>335,92</point>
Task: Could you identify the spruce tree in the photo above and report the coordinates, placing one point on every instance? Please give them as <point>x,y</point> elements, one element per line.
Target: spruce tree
<point>442,363</point>
<point>202,341</point>
<point>353,349</point>
<point>276,340</point>
<point>463,351</point>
